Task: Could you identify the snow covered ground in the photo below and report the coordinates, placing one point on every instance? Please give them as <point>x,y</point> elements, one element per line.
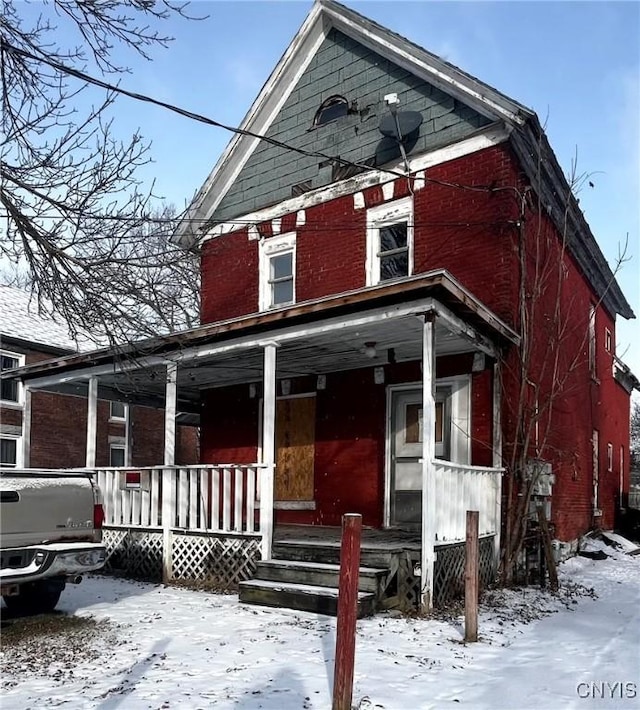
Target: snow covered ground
<point>130,645</point>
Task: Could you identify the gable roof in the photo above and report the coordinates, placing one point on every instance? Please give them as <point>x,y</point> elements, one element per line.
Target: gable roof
<point>527,136</point>
<point>22,322</point>
<point>324,16</point>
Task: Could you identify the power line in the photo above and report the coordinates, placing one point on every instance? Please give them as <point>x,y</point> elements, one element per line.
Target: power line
<point>71,71</point>
<point>64,69</point>
<point>145,220</point>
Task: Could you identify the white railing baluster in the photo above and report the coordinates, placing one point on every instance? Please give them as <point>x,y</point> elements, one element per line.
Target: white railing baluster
<point>193,498</point>
<point>183,497</point>
<point>126,503</point>
<point>154,503</point>
<point>237,503</point>
<point>215,499</point>
<point>251,499</point>
<point>203,489</point>
<point>136,517</point>
<point>226,500</point>
<point>460,488</point>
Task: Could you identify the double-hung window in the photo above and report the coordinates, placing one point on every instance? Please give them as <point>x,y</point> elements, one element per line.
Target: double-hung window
<point>117,455</point>
<point>389,241</point>
<point>8,451</point>
<point>10,390</point>
<point>277,271</point>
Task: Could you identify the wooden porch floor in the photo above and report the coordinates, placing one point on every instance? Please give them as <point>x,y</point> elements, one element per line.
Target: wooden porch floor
<point>329,536</point>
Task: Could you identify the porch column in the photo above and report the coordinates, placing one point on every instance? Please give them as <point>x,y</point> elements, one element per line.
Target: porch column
<point>168,478</point>
<point>128,439</point>
<point>26,428</point>
<point>497,458</point>
<point>268,449</point>
<point>427,561</point>
<point>92,422</point>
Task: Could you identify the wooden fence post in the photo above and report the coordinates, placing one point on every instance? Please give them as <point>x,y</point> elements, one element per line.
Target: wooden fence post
<point>471,578</point>
<point>347,611</point>
<point>548,550</point>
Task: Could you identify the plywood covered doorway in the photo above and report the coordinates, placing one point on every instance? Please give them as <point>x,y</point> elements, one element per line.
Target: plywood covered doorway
<point>295,448</point>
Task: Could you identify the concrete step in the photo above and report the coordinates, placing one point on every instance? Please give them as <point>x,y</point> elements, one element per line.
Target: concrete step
<point>302,597</point>
<point>329,553</point>
<point>318,574</point>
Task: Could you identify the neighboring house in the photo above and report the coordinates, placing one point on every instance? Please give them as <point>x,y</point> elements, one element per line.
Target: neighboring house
<point>126,435</point>
<point>369,278</point>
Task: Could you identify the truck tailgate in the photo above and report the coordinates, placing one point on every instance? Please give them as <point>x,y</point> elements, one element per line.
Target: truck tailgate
<point>30,516</point>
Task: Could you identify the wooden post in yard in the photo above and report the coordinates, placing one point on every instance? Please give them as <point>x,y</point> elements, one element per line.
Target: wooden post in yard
<point>548,550</point>
<point>471,578</point>
<point>347,611</point>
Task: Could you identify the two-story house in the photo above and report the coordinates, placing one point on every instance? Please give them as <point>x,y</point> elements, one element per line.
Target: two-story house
<point>53,434</point>
<point>404,313</point>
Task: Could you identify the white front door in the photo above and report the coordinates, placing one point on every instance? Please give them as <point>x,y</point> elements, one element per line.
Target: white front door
<point>406,451</point>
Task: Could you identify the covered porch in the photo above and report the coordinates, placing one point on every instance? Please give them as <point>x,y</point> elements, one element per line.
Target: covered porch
<point>356,356</point>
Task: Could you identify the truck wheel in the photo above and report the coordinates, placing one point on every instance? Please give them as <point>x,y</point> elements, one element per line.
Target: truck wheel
<point>36,598</point>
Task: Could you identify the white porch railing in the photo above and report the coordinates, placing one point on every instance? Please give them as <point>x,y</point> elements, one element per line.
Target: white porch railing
<point>459,488</point>
<point>207,498</point>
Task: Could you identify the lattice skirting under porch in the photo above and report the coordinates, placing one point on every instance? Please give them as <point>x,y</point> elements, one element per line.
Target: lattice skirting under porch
<point>216,561</point>
<point>449,570</point>
<point>136,553</point>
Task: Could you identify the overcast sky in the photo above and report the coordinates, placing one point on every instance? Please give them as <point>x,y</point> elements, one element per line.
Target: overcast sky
<point>577,64</point>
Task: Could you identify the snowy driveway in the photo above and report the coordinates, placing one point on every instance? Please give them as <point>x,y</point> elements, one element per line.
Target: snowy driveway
<point>155,647</point>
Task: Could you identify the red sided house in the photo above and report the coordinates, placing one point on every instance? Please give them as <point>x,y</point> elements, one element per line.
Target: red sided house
<point>405,315</point>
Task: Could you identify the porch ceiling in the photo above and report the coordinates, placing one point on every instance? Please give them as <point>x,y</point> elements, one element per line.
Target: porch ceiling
<point>398,340</point>
<point>314,337</point>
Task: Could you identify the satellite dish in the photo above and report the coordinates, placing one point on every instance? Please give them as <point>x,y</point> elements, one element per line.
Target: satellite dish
<point>407,121</point>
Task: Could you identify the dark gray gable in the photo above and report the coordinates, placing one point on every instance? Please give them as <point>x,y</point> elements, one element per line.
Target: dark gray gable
<point>342,67</point>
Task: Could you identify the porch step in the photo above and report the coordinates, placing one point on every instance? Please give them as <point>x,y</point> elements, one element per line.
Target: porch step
<point>318,574</point>
<point>329,553</point>
<point>303,597</point>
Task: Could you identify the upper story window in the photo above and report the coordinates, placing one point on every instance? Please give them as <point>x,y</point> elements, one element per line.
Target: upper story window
<point>390,241</point>
<point>277,271</point>
<point>10,390</point>
<point>118,411</point>
<point>608,340</point>
<point>330,109</point>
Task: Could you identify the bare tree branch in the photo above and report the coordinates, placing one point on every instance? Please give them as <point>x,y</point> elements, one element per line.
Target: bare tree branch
<point>77,220</point>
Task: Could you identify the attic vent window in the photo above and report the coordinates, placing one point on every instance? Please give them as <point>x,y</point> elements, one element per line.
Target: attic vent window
<point>332,108</point>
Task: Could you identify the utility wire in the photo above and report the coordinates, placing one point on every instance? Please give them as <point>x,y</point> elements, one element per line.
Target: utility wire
<point>64,69</point>
<point>71,71</point>
<point>248,223</point>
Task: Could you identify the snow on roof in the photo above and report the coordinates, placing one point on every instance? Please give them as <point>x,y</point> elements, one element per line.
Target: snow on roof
<point>19,318</point>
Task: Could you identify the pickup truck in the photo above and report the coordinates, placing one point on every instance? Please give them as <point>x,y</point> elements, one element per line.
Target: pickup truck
<point>50,533</point>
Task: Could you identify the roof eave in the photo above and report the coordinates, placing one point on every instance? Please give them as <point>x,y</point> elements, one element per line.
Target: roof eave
<point>440,282</point>
<point>554,190</point>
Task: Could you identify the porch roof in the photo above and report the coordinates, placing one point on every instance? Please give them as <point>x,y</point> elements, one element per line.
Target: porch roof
<point>315,337</point>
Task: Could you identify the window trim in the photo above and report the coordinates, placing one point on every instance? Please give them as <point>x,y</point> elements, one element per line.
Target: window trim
<point>609,457</point>
<point>18,440</point>
<point>120,447</point>
<point>269,248</point>
<point>386,215</point>
<point>608,340</point>
<point>20,357</point>
<point>113,417</point>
